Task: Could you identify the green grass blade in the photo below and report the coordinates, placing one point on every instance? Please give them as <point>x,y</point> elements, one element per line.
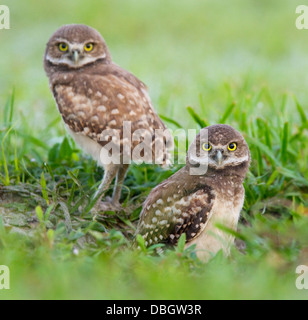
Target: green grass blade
<point>181,243</point>
<point>197,118</point>
<point>227,113</point>
<point>301,114</point>
<point>9,109</point>
<point>141,243</point>
<point>202,103</point>
<point>32,139</point>
<point>170,121</point>
<point>44,188</point>
<point>272,178</point>
<point>74,178</point>
<point>284,143</point>
<point>264,149</point>
<point>39,214</point>
<point>267,132</point>
<point>6,179</point>
<point>294,176</point>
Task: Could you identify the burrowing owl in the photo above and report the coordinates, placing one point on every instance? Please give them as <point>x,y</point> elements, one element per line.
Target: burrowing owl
<point>95,97</point>
<point>193,204</point>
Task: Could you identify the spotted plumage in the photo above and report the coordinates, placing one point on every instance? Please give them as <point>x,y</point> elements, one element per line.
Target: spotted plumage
<point>193,203</point>
<point>91,103</point>
<point>95,96</point>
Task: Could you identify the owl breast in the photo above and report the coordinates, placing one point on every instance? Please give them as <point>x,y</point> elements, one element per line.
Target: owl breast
<point>88,145</point>
<point>225,211</point>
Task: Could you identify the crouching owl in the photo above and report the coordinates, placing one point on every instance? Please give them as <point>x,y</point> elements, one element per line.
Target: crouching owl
<point>194,200</point>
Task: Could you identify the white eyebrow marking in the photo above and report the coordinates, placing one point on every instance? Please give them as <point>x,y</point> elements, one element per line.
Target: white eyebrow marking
<point>207,160</point>
<point>236,161</point>
<point>62,40</point>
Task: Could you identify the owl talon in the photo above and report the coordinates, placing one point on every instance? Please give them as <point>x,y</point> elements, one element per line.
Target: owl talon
<point>102,207</point>
<point>110,206</point>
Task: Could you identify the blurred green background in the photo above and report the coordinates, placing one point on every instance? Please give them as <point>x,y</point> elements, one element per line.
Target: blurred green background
<point>204,54</point>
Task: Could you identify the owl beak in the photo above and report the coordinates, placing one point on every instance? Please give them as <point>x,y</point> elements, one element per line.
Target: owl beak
<point>219,157</point>
<point>76,56</point>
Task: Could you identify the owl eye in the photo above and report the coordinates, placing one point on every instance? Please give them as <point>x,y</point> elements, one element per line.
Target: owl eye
<point>62,46</point>
<point>232,146</point>
<point>88,47</point>
<point>206,147</point>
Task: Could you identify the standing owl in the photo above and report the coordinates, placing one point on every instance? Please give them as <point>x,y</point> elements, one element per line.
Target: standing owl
<point>95,97</point>
<point>194,203</point>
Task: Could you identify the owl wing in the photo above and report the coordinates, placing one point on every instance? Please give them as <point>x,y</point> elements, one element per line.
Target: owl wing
<point>92,103</point>
<point>164,220</point>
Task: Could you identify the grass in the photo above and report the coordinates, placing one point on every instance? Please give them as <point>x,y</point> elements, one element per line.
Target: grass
<point>199,72</point>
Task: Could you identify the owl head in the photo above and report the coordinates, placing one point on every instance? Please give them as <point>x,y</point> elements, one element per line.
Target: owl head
<point>75,46</point>
<point>220,147</point>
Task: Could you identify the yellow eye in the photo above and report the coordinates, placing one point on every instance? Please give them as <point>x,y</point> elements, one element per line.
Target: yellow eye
<point>63,46</point>
<point>232,146</point>
<point>88,47</point>
<point>206,147</point>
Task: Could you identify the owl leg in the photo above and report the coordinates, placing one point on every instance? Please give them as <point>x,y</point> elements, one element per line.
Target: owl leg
<point>109,175</point>
<point>119,183</point>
